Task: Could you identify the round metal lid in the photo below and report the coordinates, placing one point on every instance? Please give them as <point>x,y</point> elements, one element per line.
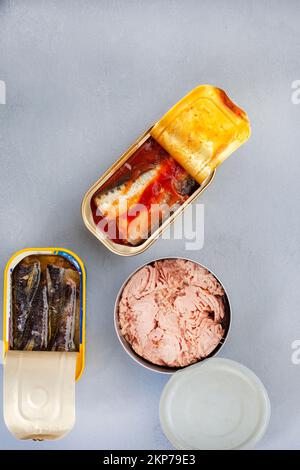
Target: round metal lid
<point>217,404</point>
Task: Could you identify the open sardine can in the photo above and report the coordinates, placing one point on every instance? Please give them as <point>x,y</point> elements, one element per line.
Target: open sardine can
<point>44,341</point>
<point>165,169</point>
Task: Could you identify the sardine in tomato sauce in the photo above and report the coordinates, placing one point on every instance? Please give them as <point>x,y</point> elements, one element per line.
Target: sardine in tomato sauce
<point>150,182</point>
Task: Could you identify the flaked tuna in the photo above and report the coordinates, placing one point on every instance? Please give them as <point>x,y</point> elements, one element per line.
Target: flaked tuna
<point>172,312</point>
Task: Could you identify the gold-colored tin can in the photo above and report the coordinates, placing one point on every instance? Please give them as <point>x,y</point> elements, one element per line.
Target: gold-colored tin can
<point>44,341</point>
<point>165,169</point>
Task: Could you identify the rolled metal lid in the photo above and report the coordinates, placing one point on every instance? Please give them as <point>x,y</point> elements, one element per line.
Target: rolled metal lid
<point>218,404</point>
<point>39,393</point>
<point>202,130</point>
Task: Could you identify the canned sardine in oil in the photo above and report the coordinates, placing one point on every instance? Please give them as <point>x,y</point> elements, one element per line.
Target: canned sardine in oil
<point>44,341</point>
<point>164,171</point>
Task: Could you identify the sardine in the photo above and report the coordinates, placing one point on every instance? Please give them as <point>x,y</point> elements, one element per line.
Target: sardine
<point>26,279</point>
<point>36,333</point>
<point>147,221</point>
<point>136,207</point>
<point>107,201</point>
<point>65,332</point>
<point>55,286</point>
<point>44,308</point>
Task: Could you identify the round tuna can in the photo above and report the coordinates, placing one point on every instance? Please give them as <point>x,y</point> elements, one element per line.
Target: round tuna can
<point>217,405</point>
<point>166,369</point>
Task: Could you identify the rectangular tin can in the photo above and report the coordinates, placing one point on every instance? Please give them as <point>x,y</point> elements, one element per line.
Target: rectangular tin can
<point>39,383</point>
<point>124,250</point>
<point>7,302</point>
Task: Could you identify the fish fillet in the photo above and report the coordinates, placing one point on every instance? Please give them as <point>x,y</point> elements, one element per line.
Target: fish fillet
<point>36,334</point>
<point>26,279</point>
<point>64,337</point>
<point>108,201</point>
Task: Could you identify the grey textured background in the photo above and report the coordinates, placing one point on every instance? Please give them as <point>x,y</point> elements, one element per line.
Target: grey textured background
<point>84,79</point>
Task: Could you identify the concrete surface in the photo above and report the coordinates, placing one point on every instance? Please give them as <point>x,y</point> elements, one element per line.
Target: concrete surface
<point>83,80</point>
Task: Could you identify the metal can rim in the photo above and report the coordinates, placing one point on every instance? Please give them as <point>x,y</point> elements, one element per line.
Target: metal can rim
<point>22,253</point>
<point>143,362</point>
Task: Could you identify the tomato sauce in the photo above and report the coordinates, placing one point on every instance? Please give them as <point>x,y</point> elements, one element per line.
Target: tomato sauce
<point>171,185</point>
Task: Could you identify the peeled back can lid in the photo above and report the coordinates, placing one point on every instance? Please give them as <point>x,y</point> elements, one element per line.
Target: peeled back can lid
<point>215,405</point>
<point>39,393</point>
<point>202,130</point>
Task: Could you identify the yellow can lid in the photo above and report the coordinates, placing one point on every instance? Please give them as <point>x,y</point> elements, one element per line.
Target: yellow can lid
<point>202,130</point>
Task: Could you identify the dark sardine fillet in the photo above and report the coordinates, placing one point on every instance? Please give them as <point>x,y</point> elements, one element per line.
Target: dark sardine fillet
<point>55,285</point>
<point>36,334</point>
<point>64,337</point>
<point>26,279</point>
<point>44,306</point>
